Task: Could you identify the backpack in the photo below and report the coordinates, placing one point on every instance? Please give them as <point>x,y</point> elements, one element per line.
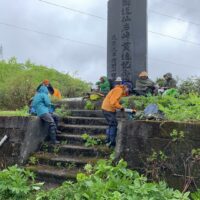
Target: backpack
<point>151,112</point>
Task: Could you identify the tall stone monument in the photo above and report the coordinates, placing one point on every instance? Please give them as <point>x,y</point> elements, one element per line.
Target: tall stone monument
<point>127,39</point>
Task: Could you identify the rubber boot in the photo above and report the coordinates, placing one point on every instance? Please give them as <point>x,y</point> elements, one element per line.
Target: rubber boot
<point>113,134</point>
<point>107,140</point>
<point>52,134</point>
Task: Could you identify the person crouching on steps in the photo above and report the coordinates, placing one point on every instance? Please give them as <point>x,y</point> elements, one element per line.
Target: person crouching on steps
<point>110,104</point>
<point>41,103</point>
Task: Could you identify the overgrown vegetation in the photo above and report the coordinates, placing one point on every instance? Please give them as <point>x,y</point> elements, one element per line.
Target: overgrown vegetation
<point>196,195</point>
<point>91,141</point>
<point>182,108</point>
<point>177,136</point>
<point>33,160</point>
<point>62,111</point>
<point>18,82</point>
<point>190,85</point>
<point>89,105</point>
<point>21,113</point>
<point>177,158</point>
<point>154,165</point>
<point>17,184</point>
<point>104,181</point>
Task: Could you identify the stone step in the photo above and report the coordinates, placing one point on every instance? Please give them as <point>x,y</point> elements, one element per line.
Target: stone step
<point>57,163</point>
<point>77,139</point>
<point>67,162</point>
<point>51,174</point>
<point>94,113</point>
<point>73,103</point>
<point>85,120</point>
<point>86,113</point>
<point>81,129</point>
<point>77,150</point>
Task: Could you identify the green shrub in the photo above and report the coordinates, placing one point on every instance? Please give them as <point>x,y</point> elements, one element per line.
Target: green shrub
<point>190,85</point>
<point>22,112</point>
<point>107,182</point>
<point>62,111</point>
<point>17,184</point>
<point>182,108</point>
<point>18,83</point>
<point>90,141</point>
<point>196,195</point>
<point>160,82</point>
<point>177,136</point>
<point>89,105</point>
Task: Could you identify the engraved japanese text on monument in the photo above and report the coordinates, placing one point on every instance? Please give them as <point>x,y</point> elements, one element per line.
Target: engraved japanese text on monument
<point>126,58</point>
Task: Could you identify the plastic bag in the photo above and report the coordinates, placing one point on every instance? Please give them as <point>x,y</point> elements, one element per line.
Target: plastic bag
<point>171,92</point>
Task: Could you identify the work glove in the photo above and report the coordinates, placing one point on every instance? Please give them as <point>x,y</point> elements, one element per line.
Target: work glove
<point>130,110</point>
<point>134,111</point>
<point>122,109</point>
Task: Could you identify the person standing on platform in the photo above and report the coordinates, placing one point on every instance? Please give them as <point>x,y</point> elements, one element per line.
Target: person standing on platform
<point>109,107</point>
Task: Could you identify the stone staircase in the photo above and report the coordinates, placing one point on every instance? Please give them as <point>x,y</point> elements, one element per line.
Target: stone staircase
<point>57,163</point>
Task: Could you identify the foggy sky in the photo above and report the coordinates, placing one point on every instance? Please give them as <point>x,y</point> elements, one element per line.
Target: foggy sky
<point>87,61</point>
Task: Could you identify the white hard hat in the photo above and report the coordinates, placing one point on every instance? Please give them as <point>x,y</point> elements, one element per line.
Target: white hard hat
<point>118,79</point>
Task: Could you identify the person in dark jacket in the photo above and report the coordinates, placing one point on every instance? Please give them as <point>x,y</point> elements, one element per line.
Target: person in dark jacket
<point>144,85</point>
<point>169,81</point>
<point>48,85</point>
<point>41,104</point>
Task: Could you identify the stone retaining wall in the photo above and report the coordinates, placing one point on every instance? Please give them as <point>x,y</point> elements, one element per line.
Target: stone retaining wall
<point>137,140</point>
<point>24,137</point>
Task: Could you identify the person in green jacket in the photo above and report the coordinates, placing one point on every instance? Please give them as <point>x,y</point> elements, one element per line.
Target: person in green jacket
<point>103,85</point>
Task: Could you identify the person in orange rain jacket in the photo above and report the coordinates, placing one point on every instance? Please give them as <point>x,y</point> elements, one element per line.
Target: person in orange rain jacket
<point>57,94</point>
<point>110,104</point>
